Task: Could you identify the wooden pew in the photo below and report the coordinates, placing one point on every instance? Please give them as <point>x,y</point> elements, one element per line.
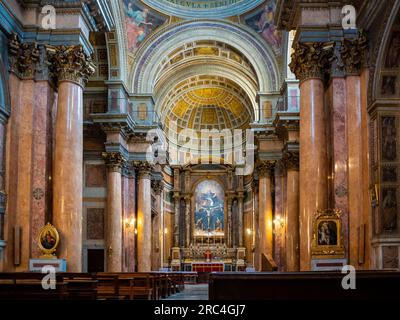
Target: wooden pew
<point>28,286</point>
<point>79,286</point>
<point>303,286</point>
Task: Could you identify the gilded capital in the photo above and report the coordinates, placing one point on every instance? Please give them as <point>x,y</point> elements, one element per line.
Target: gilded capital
<point>353,54</point>
<point>23,57</point>
<point>291,160</point>
<point>311,59</point>
<point>114,161</point>
<point>71,63</point>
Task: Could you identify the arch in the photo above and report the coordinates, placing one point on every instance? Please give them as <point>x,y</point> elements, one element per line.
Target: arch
<point>142,79</point>
<point>384,44</point>
<point>119,44</point>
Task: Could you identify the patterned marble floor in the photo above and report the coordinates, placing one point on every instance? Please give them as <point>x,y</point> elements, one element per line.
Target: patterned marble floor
<point>192,292</point>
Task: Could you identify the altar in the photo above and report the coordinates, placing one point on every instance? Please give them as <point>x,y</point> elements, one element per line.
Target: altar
<point>208,267</point>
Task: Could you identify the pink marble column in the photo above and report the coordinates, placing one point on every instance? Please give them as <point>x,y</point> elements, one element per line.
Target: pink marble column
<point>309,63</point>
<point>74,68</point>
<point>131,243</point>
<point>313,163</point>
<point>337,97</point>
<point>67,175</point>
<point>23,162</point>
<point>157,230</point>
<point>265,209</point>
<point>12,169</point>
<point>279,238</point>
<point>43,103</point>
<point>292,211</point>
<point>144,218</point>
<point>355,171</point>
<point>365,255</point>
<point>114,239</point>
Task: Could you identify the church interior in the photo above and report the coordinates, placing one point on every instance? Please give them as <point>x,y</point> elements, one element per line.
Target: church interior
<point>161,144</point>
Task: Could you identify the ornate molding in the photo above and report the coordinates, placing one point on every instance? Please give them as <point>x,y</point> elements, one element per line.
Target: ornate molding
<point>23,57</point>
<point>353,54</point>
<point>291,160</point>
<point>311,59</point>
<point>128,171</point>
<point>71,63</point>
<point>114,161</point>
<point>265,167</point>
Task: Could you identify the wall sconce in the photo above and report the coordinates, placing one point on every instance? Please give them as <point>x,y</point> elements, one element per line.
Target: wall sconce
<point>129,223</point>
<point>279,222</point>
<point>249,231</point>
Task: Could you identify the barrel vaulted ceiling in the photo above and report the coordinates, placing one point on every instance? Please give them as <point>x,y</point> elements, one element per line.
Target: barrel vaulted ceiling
<point>204,82</point>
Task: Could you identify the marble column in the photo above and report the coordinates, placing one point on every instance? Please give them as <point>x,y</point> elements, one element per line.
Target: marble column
<point>157,233</point>
<point>265,208</point>
<point>144,217</point>
<point>73,68</point>
<point>177,198</point>
<point>308,64</point>
<point>114,218</point>
<point>23,60</point>
<point>291,161</point>
<point>187,220</point>
<point>131,238</point>
<point>177,205</point>
<point>229,222</point>
<point>352,55</point>
<point>240,199</point>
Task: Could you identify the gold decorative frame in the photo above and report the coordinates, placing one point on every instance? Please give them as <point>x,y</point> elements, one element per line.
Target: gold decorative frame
<point>48,252</point>
<point>328,251</point>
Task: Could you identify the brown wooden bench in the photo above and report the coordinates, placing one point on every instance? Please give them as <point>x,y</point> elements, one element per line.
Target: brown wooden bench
<point>303,286</point>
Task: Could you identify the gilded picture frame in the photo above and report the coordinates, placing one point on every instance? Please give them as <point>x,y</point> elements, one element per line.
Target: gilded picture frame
<point>327,235</point>
<point>48,241</point>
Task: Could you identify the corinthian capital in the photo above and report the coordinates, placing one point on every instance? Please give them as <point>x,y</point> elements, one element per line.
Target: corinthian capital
<point>157,186</point>
<point>265,167</point>
<point>353,53</point>
<point>71,64</point>
<point>23,57</point>
<point>144,169</point>
<point>311,59</point>
<point>291,160</point>
<point>114,160</point>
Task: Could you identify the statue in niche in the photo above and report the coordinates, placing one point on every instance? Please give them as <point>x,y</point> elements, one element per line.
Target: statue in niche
<point>389,138</point>
<point>389,209</point>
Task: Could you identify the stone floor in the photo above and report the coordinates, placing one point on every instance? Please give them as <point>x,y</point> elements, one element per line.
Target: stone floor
<point>192,292</point>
